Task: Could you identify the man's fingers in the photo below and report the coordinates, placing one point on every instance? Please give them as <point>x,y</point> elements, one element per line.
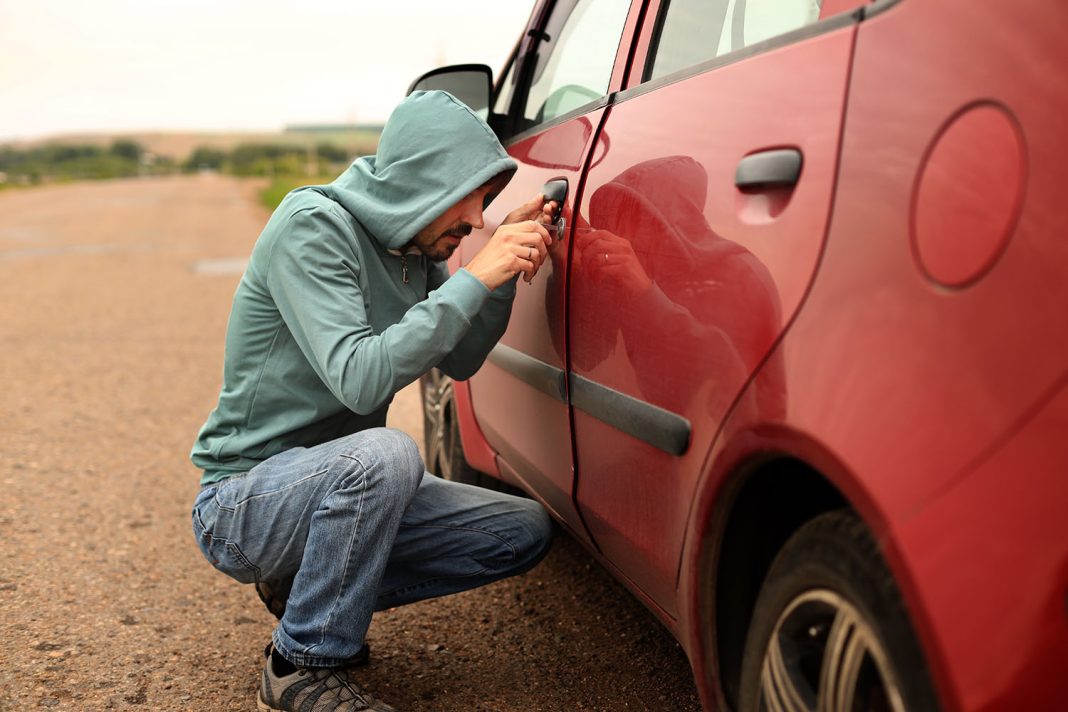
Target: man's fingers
<point>534,253</point>
<point>529,210</point>
<point>527,259</point>
<point>547,211</point>
<point>530,257</point>
<point>609,243</point>
<point>527,242</point>
<point>532,229</point>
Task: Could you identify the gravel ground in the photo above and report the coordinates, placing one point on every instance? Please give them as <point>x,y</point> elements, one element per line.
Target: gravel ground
<point>114,298</point>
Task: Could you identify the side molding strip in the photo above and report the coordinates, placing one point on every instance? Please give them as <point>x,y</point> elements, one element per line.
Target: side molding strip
<point>545,378</point>
<point>651,424</point>
<point>660,428</point>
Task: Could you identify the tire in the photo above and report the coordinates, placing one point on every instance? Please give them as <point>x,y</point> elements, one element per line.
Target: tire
<point>829,630</point>
<point>441,433</point>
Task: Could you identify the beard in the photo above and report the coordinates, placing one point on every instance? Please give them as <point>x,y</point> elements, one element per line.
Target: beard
<point>440,247</point>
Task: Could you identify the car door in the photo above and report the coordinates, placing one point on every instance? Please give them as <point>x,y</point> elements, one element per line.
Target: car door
<point>552,99</point>
<point>694,242</point>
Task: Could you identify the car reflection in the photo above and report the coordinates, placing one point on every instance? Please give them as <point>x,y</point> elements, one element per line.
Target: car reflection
<point>647,268</point>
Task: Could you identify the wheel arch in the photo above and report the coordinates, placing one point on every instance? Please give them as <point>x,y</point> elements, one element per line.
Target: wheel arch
<point>479,454</point>
<point>770,502</point>
<point>760,488</point>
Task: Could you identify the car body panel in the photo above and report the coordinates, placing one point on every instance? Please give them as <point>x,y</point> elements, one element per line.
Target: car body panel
<point>727,269</point>
<point>1002,639</point>
<point>934,406</point>
<point>476,450</point>
<point>874,323</point>
<point>537,448</point>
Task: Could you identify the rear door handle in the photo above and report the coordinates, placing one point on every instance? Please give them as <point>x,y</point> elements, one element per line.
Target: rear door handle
<point>769,169</point>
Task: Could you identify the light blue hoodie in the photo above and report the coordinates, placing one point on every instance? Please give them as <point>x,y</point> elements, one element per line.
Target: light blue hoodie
<point>324,329</point>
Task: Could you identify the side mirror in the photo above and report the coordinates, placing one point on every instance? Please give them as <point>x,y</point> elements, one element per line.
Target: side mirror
<point>470,83</point>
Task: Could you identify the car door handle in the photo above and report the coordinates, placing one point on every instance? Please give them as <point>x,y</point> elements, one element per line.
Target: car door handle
<point>556,190</point>
<point>769,169</point>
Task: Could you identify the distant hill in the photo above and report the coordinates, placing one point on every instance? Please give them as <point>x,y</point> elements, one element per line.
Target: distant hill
<point>179,145</point>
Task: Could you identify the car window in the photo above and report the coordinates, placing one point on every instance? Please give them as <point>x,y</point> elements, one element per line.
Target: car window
<point>693,31</point>
<point>506,89</point>
<point>575,64</point>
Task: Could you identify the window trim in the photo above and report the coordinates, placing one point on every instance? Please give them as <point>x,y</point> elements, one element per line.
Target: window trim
<point>533,56</point>
<point>829,24</point>
<point>877,7</point>
<point>544,126</point>
<point>498,87</point>
<point>525,58</point>
<point>527,52</point>
<point>654,41</point>
<point>835,22</point>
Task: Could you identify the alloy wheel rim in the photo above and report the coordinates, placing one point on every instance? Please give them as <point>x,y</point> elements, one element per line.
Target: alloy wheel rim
<point>823,656</point>
<point>440,410</point>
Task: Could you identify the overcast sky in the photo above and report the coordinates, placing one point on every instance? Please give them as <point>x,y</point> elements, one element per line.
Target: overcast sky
<point>124,65</point>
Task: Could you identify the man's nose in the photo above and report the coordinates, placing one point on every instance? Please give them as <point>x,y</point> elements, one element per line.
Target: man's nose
<point>473,215</point>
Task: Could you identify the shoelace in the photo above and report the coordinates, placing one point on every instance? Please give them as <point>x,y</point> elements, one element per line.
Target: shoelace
<point>343,684</point>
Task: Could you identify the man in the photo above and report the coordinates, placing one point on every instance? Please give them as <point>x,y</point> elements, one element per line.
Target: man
<point>346,300</point>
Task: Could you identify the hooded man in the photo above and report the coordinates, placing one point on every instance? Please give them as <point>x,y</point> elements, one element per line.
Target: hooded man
<point>346,299</point>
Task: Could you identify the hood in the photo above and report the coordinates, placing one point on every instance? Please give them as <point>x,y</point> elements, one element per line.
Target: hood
<point>433,151</point>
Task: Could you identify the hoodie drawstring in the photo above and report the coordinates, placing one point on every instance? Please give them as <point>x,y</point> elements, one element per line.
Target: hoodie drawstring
<point>404,268</point>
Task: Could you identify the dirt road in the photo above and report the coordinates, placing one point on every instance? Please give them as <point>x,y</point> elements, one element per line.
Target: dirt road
<point>113,304</point>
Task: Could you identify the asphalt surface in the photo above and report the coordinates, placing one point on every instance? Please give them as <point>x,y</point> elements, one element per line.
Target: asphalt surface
<point>113,305</point>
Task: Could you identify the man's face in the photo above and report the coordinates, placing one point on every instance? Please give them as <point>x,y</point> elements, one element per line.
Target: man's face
<point>442,236</point>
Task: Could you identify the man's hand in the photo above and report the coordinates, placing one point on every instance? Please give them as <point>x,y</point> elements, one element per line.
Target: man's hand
<point>609,259</point>
<point>520,244</point>
<point>534,209</point>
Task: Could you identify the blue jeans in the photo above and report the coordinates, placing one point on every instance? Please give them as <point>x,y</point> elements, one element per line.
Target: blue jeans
<point>353,526</point>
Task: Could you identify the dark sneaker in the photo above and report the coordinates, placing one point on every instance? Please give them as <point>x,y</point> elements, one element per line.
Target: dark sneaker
<point>317,689</point>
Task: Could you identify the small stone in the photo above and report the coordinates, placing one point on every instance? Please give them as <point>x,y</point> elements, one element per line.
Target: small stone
<point>435,648</point>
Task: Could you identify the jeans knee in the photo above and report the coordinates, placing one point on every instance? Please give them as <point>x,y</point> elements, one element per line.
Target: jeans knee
<point>390,461</point>
<point>403,452</point>
<point>537,528</point>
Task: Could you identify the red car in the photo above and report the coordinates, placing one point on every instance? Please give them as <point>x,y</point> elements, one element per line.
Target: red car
<point>797,371</point>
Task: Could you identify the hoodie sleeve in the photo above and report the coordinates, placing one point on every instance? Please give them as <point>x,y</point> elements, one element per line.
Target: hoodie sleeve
<point>313,277</point>
<point>487,327</point>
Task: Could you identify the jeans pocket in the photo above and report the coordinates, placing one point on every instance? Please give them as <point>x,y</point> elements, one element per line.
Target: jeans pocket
<point>223,554</point>
<point>232,562</point>
<point>201,533</point>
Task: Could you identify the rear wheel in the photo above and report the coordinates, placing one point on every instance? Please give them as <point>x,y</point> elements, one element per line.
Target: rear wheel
<point>441,432</point>
<point>829,631</point>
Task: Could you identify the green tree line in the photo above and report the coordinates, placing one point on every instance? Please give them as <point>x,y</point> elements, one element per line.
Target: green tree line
<point>270,159</point>
<point>125,158</point>
<point>76,162</point>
